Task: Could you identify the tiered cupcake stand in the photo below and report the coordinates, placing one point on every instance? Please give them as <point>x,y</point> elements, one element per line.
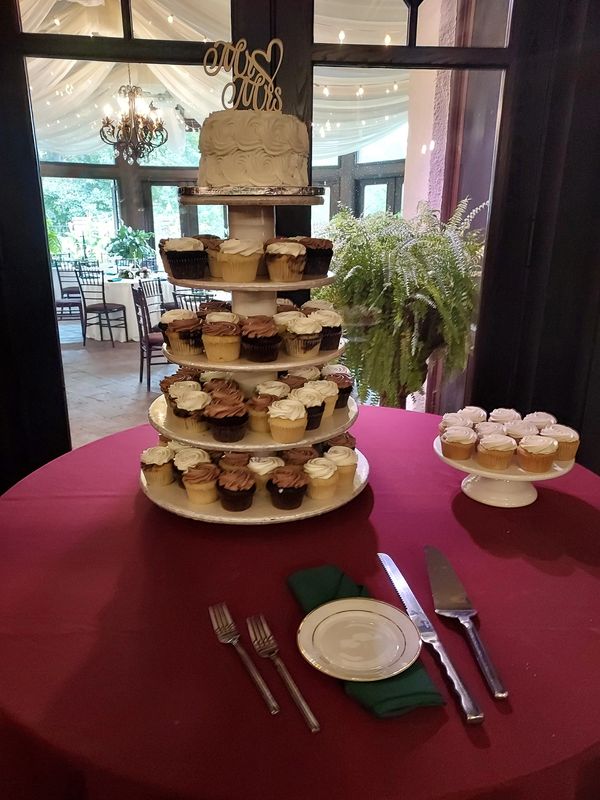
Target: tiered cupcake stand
<point>252,217</point>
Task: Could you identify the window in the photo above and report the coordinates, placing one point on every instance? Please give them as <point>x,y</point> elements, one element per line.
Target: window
<point>79,19</point>
<point>182,19</point>
<point>380,22</point>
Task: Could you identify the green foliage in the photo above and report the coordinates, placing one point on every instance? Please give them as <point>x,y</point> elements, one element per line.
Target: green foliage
<point>406,287</point>
<point>130,243</point>
<point>53,240</point>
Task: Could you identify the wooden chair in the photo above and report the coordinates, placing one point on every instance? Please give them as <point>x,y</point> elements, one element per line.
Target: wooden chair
<point>151,342</point>
<point>152,288</point>
<point>191,300</point>
<point>67,281</point>
<point>96,310</point>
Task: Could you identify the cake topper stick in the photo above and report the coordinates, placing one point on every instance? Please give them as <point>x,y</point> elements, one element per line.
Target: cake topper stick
<point>251,86</point>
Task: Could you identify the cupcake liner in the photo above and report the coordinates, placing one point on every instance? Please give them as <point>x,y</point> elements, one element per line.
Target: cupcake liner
<point>314,416</point>
<point>323,488</point>
<point>494,459</point>
<point>457,450</point>
<point>567,451</point>
<point>330,405</point>
<point>192,423</point>
<point>222,348</point>
<point>228,429</point>
<point>330,338</point>
<point>287,498</point>
<point>158,474</point>
<point>287,431</point>
<point>302,345</point>
<point>317,261</point>
<point>201,494</point>
<point>258,421</point>
<point>342,398</point>
<point>346,475</point>
<point>285,268</point>
<point>237,268</point>
<point>189,346</point>
<point>236,501</point>
<point>535,462</point>
<point>214,265</point>
<point>187,265</point>
<point>262,349</point>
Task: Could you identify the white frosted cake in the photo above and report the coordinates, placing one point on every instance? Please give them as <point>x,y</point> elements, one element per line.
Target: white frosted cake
<point>253,148</point>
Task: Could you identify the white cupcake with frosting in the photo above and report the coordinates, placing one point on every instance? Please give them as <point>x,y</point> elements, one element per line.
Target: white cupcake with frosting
<point>518,428</point>
<point>536,453</point>
<point>262,467</point>
<point>329,391</point>
<point>239,259</point>
<point>302,337</point>
<point>188,410</point>
<point>287,420</point>
<point>346,460</point>
<point>567,438</point>
<point>323,478</point>
<point>282,318</point>
<point>335,369</point>
<point>157,466</point>
<point>189,457</point>
<point>487,428</point>
<point>504,415</point>
<point>286,260</point>
<point>541,419</point>
<point>458,442</point>
<point>474,413</point>
<point>451,419</point>
<point>276,389</point>
<point>316,305</point>
<point>496,451</point>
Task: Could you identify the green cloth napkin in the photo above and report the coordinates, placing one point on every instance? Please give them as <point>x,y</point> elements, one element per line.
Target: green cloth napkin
<point>390,697</point>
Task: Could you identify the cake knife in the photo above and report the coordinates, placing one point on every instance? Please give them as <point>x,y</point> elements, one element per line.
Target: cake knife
<point>471,710</point>
<point>450,599</point>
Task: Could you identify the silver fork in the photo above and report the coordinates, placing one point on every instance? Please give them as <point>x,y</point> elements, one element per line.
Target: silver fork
<point>227,633</point>
<point>266,646</point>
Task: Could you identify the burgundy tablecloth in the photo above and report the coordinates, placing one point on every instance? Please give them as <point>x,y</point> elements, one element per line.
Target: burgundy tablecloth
<point>113,686</point>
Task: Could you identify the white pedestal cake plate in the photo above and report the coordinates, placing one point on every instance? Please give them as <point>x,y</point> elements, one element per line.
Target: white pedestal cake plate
<point>253,217</point>
<point>508,488</point>
<point>262,511</point>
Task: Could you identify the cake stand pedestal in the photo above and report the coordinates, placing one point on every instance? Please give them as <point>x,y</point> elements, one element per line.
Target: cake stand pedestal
<point>509,488</point>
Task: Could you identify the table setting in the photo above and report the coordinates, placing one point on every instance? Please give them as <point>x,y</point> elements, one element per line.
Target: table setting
<point>473,675</point>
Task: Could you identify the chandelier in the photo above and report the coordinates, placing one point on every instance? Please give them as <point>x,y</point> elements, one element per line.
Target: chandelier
<point>137,129</point>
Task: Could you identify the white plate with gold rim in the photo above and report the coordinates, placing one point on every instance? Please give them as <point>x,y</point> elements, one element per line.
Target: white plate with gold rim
<point>359,639</point>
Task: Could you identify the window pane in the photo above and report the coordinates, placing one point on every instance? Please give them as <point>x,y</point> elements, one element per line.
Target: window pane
<point>165,209</point>
<point>320,214</point>
<point>176,156</point>
<point>390,147</point>
<point>212,219</point>
<point>452,23</point>
<point>374,198</point>
<point>80,211</point>
<point>361,21</point>
<point>182,19</point>
<point>79,19</point>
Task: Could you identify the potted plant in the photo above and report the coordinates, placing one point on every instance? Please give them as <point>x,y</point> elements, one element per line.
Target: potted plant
<point>132,245</point>
<point>406,288</point>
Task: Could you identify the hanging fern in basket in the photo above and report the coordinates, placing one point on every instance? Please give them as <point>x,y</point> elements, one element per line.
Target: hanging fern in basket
<point>406,288</point>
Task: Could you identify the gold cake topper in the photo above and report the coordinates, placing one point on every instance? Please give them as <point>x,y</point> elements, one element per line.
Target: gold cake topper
<point>251,86</point>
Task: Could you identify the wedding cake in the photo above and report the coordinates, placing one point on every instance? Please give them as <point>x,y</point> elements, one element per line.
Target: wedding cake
<point>253,148</point>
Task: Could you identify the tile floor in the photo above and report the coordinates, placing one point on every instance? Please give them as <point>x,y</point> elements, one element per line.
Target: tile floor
<point>103,392</point>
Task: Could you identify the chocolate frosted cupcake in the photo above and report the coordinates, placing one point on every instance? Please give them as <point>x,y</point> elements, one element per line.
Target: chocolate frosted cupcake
<point>260,339</point>
<point>212,305</point>
<point>341,440</point>
<point>313,403</point>
<point>222,341</point>
<point>286,260</point>
<point>173,314</point>
<point>332,328</point>
<point>298,456</point>
<point>184,258</point>
<point>318,255</point>
<point>231,460</point>
<point>262,467</point>
<point>227,394</point>
<point>302,337</point>
<point>200,484</point>
<point>293,381</point>
<point>287,486</point>
<point>211,384</point>
<point>316,305</point>
<point>236,489</point>
<point>344,384</point>
<point>184,336</point>
<point>284,303</point>
<point>227,423</point>
<point>258,418</point>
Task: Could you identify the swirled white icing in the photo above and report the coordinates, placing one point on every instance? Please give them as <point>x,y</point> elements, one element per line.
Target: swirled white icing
<point>241,247</point>
<point>342,456</point>
<point>308,373</point>
<point>177,313</point>
<point>222,316</point>
<point>518,428</point>
<point>541,419</point>
<point>262,465</point>
<point>285,316</point>
<point>474,413</point>
<point>327,318</point>
<point>325,388</point>
<point>335,369</point>
<point>286,249</point>
<point>183,245</point>
<point>189,457</point>
<point>315,305</point>
<point>452,418</point>
<point>487,428</point>
<point>156,455</point>
<point>181,388</point>
<point>253,148</point>
<point>274,388</point>
<point>459,434</point>
<point>307,396</point>
<point>504,415</point>
<point>320,468</point>
<point>561,433</point>
<point>193,401</point>
<point>286,409</point>
<point>544,445</point>
<point>304,325</point>
<point>496,441</point>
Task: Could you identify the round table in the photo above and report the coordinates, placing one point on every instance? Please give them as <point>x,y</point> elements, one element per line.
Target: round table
<point>113,686</point>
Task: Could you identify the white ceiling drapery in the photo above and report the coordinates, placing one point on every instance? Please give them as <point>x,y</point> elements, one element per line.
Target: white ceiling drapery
<point>68,97</point>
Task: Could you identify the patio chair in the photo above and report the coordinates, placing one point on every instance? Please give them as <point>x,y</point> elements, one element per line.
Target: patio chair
<point>191,300</point>
<point>152,288</point>
<point>97,311</point>
<point>67,281</point>
<point>151,342</point>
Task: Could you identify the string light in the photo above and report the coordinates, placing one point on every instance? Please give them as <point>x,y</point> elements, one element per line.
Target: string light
<point>360,92</point>
<point>341,36</point>
<point>362,122</point>
<point>387,40</point>
<point>56,21</point>
<point>387,91</point>
<point>170,19</point>
<point>337,124</point>
<point>423,149</point>
<point>432,144</point>
<point>395,87</point>
<point>326,91</point>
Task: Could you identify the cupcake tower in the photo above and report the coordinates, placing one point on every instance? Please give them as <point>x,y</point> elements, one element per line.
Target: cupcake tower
<point>504,452</point>
<point>266,417</point>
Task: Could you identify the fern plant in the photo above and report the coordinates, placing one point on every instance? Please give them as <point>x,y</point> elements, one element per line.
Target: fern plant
<point>406,287</point>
